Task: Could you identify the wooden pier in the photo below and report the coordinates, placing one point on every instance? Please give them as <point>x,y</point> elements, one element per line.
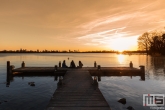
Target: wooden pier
<point>77,89</point>
<point>78,92</point>
<point>104,71</point>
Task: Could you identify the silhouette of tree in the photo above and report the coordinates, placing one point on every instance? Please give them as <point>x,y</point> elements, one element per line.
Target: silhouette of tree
<point>144,42</point>
<point>153,42</point>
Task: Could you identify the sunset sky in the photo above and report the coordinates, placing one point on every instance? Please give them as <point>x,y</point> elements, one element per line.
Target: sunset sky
<point>77,24</point>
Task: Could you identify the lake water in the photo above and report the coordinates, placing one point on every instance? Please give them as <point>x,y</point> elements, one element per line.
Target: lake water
<point>20,96</point>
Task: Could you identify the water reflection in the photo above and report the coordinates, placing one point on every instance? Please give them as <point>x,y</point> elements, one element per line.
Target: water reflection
<point>57,76</point>
<point>155,67</point>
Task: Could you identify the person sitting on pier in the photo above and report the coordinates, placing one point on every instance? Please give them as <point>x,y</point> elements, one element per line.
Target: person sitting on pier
<point>64,64</point>
<point>72,64</point>
<point>80,64</point>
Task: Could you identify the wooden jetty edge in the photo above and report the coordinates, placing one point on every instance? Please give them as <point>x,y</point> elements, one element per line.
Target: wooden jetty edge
<point>77,89</point>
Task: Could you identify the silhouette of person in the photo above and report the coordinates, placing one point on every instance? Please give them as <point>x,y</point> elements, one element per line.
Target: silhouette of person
<point>64,64</point>
<point>72,64</point>
<point>80,64</point>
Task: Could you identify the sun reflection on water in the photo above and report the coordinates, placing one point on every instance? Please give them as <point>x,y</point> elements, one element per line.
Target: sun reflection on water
<point>120,58</point>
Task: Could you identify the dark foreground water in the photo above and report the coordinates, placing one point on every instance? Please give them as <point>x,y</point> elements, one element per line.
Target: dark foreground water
<point>20,96</point>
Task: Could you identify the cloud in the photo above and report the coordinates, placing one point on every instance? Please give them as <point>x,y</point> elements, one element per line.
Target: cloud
<point>90,44</point>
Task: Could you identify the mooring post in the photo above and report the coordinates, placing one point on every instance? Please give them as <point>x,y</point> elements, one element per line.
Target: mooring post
<point>99,67</point>
<point>8,74</point>
<point>55,67</point>
<point>59,63</point>
<point>8,66</point>
<point>99,78</point>
<point>23,64</point>
<point>95,64</point>
<point>9,69</point>
<point>131,64</point>
<point>142,68</point>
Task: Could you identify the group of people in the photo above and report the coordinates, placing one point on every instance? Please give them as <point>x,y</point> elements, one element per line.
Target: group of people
<point>72,64</point>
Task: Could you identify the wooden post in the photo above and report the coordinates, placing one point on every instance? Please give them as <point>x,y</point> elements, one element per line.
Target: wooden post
<point>99,78</point>
<point>59,63</point>
<point>142,68</point>
<point>131,64</point>
<point>8,66</point>
<point>9,69</point>
<point>8,74</point>
<point>55,67</point>
<point>95,64</point>
<point>23,64</point>
<point>99,67</point>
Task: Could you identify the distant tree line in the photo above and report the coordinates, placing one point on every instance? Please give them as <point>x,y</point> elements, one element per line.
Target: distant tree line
<point>55,51</point>
<point>138,51</point>
<point>152,42</point>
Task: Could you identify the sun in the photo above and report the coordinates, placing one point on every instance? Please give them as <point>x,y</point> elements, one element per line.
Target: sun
<point>121,44</point>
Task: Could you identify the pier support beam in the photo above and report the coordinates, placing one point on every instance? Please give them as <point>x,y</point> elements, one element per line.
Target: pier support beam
<point>56,78</point>
<point>142,68</point>
<point>55,67</point>
<point>99,78</point>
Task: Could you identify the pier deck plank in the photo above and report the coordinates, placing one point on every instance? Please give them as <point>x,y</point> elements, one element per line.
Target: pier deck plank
<point>78,92</point>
